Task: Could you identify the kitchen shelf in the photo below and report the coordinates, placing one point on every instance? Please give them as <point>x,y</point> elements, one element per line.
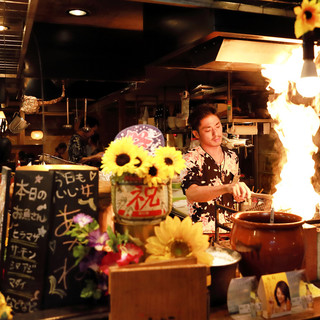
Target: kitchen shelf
<point>245,120</point>
<point>51,113</point>
<point>172,131</point>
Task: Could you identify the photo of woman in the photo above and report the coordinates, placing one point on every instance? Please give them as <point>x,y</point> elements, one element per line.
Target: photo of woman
<point>282,296</point>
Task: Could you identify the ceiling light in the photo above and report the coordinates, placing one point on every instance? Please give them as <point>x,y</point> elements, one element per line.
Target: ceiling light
<point>3,28</point>
<point>78,12</point>
<point>309,83</point>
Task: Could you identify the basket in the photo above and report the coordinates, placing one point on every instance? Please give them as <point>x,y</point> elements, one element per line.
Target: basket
<point>258,202</point>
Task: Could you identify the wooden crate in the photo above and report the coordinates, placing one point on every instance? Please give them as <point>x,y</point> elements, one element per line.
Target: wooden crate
<point>159,292</point>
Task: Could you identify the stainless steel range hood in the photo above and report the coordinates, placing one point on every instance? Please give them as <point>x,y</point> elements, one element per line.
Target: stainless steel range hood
<point>246,52</point>
<point>229,40</point>
<point>233,52</point>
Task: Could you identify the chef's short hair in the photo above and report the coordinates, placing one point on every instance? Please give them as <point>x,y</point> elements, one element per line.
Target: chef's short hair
<point>201,111</point>
<point>90,122</point>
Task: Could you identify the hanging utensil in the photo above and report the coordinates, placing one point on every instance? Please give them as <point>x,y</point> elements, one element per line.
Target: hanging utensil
<point>85,128</point>
<point>76,117</point>
<point>67,125</point>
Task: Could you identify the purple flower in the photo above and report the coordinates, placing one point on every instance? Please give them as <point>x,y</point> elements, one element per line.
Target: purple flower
<point>97,239</point>
<point>82,219</point>
<point>92,261</point>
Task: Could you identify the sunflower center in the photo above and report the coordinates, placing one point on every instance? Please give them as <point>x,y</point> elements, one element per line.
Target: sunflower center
<point>153,171</point>
<point>168,161</point>
<point>308,14</point>
<point>139,163</point>
<point>179,248</point>
<point>122,159</point>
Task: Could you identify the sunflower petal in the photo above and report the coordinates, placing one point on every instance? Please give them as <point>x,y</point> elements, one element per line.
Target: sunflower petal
<point>204,258</point>
<point>162,234</point>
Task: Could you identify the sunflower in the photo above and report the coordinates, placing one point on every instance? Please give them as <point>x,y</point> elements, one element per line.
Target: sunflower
<point>157,173</point>
<point>144,162</point>
<point>171,159</point>
<point>120,157</point>
<point>176,239</point>
<point>307,18</point>
<point>5,310</point>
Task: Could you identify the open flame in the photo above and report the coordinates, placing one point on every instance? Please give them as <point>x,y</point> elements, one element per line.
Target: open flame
<point>295,124</point>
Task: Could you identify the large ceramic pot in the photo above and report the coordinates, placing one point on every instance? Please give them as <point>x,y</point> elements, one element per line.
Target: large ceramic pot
<point>267,247</point>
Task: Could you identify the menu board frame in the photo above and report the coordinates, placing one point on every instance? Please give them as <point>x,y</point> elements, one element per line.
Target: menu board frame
<point>44,201</point>
<point>4,208</point>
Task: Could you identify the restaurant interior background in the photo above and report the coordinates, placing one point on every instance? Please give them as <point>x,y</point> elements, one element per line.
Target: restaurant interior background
<point>126,57</point>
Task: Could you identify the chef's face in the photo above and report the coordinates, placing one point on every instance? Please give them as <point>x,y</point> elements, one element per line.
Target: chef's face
<point>209,132</point>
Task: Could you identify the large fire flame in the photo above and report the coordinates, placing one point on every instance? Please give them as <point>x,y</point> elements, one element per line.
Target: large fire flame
<point>295,124</point>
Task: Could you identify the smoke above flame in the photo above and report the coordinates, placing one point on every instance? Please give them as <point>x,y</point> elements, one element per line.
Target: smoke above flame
<point>296,124</point>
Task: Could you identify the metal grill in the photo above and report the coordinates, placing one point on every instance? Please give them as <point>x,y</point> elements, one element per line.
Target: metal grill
<point>13,15</point>
<point>258,202</point>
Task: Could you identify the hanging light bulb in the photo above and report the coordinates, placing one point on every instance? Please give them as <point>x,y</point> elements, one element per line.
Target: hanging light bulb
<point>309,83</point>
<point>37,135</point>
<point>3,122</point>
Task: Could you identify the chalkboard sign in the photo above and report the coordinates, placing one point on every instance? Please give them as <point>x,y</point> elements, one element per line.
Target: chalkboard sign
<point>76,191</point>
<point>28,236</point>
<point>4,206</point>
<point>39,266</point>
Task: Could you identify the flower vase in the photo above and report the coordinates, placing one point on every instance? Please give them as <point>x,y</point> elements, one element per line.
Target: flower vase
<point>135,202</point>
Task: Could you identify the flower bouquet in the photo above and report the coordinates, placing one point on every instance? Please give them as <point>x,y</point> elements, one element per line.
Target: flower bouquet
<point>141,183</point>
<point>96,251</point>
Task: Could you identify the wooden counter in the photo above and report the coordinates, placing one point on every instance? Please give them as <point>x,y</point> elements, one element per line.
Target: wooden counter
<point>101,312</point>
<point>83,312</point>
<point>222,313</point>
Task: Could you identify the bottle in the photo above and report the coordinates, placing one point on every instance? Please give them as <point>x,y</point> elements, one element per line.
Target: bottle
<point>145,116</point>
<point>253,310</point>
<point>309,297</point>
<point>258,305</point>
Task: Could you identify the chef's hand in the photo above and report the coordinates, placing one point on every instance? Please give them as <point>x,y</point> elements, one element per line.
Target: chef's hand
<point>97,156</point>
<point>240,191</point>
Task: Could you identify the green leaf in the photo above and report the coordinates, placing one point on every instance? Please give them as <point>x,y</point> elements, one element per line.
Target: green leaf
<point>80,252</point>
<point>89,289</point>
<point>97,294</point>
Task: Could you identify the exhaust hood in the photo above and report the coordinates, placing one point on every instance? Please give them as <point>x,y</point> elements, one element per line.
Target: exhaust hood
<point>233,52</point>
<point>227,40</point>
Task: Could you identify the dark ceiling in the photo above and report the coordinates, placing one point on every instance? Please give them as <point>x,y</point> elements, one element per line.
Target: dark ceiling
<point>126,44</point>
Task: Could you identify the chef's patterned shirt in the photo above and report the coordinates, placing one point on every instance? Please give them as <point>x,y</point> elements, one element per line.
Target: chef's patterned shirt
<point>77,148</point>
<point>202,170</point>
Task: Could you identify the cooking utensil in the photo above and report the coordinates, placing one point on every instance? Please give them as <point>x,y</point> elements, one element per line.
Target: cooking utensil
<point>76,119</point>
<point>85,128</point>
<point>272,215</point>
<point>257,202</point>
<point>67,125</point>
<point>50,159</point>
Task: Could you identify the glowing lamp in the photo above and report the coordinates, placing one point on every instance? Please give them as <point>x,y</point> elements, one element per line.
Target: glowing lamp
<point>309,83</point>
<point>78,12</point>
<point>37,135</point>
<point>3,122</point>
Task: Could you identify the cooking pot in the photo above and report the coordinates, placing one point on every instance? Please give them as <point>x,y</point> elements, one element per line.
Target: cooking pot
<point>267,247</point>
<point>223,269</point>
